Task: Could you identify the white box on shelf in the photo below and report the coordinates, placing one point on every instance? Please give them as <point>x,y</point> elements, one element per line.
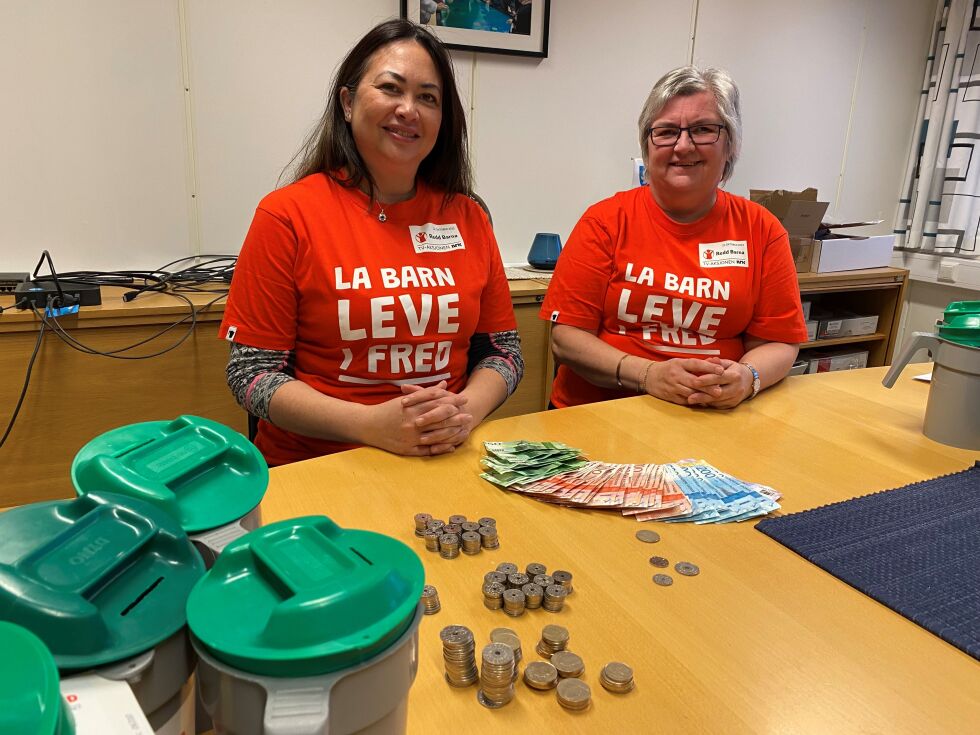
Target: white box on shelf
<point>852,253</point>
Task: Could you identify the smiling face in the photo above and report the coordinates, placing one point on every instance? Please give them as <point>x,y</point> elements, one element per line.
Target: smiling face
<point>683,177</point>
<point>395,113</point>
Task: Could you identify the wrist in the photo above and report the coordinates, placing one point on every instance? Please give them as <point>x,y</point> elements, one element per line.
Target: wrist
<point>641,383</point>
<point>755,383</point>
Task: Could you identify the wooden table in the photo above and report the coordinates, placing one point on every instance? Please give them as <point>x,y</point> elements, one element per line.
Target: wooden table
<point>760,642</point>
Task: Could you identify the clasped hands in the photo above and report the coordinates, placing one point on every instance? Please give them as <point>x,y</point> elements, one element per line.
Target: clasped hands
<point>421,422</point>
<point>715,382</point>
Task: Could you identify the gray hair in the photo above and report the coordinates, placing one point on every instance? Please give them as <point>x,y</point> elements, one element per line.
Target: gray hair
<point>686,80</point>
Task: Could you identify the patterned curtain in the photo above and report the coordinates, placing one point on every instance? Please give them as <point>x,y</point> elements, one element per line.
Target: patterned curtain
<point>939,208</point>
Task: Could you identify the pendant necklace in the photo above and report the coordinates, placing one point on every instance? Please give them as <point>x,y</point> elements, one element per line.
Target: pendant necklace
<point>382,217</point>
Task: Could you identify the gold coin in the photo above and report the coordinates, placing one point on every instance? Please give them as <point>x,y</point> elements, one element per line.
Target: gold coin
<point>568,664</point>
<point>573,694</point>
<point>540,675</point>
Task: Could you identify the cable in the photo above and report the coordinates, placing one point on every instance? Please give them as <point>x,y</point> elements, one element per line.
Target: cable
<point>27,381</point>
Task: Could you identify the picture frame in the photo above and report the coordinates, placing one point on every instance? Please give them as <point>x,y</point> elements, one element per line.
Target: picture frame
<point>513,27</point>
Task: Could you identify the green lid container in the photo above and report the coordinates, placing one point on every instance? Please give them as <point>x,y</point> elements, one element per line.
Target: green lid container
<point>99,579</point>
<point>30,695</point>
<point>305,597</point>
<point>197,470</point>
<point>961,323</point>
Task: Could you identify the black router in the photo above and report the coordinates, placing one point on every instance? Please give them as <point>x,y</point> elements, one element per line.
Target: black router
<point>40,292</point>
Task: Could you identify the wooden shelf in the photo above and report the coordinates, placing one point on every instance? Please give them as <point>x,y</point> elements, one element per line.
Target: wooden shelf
<point>876,337</point>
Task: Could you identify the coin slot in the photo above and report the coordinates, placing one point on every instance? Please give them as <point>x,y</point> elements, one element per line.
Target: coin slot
<point>368,561</point>
<point>142,596</point>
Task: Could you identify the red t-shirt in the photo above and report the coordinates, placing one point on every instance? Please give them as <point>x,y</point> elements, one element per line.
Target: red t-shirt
<point>660,289</point>
<point>364,305</point>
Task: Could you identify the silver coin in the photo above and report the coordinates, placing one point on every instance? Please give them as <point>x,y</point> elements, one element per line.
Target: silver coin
<point>647,536</point>
<point>664,580</point>
<point>659,561</point>
<point>687,569</point>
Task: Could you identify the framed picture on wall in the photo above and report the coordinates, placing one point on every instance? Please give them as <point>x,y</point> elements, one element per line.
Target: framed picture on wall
<point>517,27</point>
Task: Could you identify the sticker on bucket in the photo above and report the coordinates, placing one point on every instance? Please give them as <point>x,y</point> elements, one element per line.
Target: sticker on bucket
<point>103,707</point>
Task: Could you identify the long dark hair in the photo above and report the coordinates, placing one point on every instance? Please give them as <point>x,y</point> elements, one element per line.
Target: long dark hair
<point>330,147</point>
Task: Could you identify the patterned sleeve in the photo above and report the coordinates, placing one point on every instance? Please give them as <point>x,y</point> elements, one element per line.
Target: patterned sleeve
<point>500,351</point>
<point>254,374</point>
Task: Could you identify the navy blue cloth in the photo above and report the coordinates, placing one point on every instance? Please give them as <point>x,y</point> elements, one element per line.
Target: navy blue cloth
<point>915,549</point>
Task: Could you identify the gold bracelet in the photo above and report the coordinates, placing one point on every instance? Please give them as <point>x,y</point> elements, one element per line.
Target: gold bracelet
<point>619,367</point>
<point>641,386</point>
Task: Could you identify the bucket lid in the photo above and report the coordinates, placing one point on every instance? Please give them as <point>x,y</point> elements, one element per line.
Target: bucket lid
<point>99,578</point>
<point>199,471</point>
<point>961,323</point>
<point>32,701</point>
<point>304,597</point>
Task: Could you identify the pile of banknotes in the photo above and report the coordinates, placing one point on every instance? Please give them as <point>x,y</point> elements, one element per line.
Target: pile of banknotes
<point>690,490</point>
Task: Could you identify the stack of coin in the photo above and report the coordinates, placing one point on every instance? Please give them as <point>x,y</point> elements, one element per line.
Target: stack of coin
<point>496,676</point>
<point>564,579</point>
<point>421,519</point>
<point>431,539</point>
<point>506,567</point>
<point>554,598</point>
<point>471,542</point>
<point>514,603</point>
<point>495,577</point>
<point>534,568</point>
<point>516,580</point>
<point>430,600</point>
<point>540,675</point>
<point>457,519</point>
<point>487,521</point>
<point>435,525</point>
<point>533,595</point>
<point>508,638</point>
<point>616,677</point>
<point>488,536</point>
<point>554,638</point>
<point>570,665</point>
<point>543,580</point>
<point>470,526</point>
<point>459,655</point>
<point>449,546</point>
<point>574,694</point>
<point>493,596</point>
<point>453,528</point>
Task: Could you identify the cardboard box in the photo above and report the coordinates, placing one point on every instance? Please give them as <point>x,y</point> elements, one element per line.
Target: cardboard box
<point>800,213</point>
<point>825,362</point>
<point>811,329</point>
<point>852,253</point>
<point>846,324</point>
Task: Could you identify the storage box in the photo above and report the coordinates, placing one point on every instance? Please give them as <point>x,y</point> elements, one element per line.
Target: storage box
<point>846,325</point>
<point>800,213</point>
<point>826,362</point>
<point>807,305</point>
<point>851,253</point>
<point>811,329</point>
<point>799,367</point>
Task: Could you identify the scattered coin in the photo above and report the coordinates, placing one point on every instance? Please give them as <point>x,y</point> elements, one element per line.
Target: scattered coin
<point>687,569</point>
<point>647,536</point>
<point>570,665</point>
<point>664,580</point>
<point>659,561</point>
<point>540,675</point>
<point>574,694</point>
<point>616,677</point>
<point>554,638</point>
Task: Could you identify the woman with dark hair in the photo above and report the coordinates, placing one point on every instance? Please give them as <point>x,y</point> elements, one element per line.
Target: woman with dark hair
<point>369,304</point>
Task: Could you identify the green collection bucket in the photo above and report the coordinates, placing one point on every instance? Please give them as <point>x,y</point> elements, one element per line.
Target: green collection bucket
<point>30,697</point>
<point>304,627</point>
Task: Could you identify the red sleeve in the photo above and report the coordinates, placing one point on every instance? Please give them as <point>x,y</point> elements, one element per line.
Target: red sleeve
<point>262,302</point>
<point>496,306</point>
<point>778,314</point>
<point>577,291</point>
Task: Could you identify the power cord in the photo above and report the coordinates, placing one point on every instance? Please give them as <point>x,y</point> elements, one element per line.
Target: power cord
<point>27,381</point>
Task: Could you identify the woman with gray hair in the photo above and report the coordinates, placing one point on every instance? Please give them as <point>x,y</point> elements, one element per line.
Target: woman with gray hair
<point>678,289</point>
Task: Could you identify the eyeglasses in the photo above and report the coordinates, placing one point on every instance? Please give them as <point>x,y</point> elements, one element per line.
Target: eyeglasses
<point>703,134</point>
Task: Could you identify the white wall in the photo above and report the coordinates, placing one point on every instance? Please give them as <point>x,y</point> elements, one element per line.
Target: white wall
<point>109,163</point>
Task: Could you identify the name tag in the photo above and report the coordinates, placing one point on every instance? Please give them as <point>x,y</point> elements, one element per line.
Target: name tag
<point>727,254</point>
<point>432,238</point>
